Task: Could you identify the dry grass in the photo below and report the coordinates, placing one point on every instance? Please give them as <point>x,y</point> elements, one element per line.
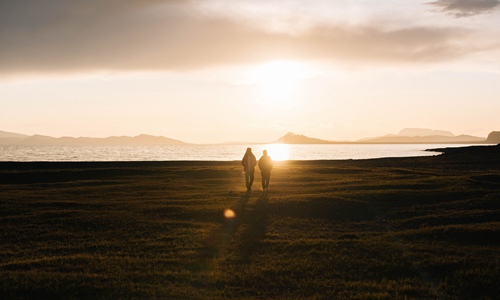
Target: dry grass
<point>370,229</point>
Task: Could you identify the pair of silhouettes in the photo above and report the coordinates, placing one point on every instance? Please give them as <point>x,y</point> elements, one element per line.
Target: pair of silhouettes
<point>265,165</point>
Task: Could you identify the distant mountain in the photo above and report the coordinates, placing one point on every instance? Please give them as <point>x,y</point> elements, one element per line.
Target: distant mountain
<point>143,139</point>
<point>5,134</point>
<point>424,132</point>
<point>292,138</point>
<point>433,139</point>
<point>405,136</point>
<point>10,138</point>
<point>493,137</point>
<point>423,136</point>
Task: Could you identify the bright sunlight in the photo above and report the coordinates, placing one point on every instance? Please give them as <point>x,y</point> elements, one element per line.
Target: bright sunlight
<point>279,151</point>
<point>278,81</point>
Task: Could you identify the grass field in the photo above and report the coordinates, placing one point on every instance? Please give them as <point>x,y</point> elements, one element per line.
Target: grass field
<point>405,228</point>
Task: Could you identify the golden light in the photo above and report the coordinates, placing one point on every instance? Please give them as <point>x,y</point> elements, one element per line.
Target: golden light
<point>229,213</point>
<point>278,151</point>
<point>278,81</point>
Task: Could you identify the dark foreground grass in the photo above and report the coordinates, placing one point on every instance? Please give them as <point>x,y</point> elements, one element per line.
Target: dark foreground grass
<point>406,228</point>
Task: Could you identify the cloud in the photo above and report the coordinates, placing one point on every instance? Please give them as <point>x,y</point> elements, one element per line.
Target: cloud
<point>465,8</point>
<point>69,36</point>
<point>376,45</point>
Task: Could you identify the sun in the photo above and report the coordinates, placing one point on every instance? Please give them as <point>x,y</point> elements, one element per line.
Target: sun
<point>277,82</point>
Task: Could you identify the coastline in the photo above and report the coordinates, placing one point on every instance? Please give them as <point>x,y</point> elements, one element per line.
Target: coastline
<point>212,152</point>
<point>488,152</point>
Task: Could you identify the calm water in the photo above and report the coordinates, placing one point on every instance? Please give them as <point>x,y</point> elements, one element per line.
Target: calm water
<point>212,152</point>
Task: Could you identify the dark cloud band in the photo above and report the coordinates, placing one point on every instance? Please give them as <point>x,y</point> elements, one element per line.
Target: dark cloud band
<point>466,8</point>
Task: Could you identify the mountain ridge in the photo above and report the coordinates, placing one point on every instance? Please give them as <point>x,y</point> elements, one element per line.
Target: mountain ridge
<point>413,132</point>
<point>493,137</point>
<point>431,139</point>
<point>425,136</point>
<point>9,138</point>
<point>292,138</point>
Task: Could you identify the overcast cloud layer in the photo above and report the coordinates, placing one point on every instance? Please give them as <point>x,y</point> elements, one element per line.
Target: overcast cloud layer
<point>69,36</point>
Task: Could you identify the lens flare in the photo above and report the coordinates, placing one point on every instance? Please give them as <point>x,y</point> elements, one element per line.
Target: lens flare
<point>229,213</point>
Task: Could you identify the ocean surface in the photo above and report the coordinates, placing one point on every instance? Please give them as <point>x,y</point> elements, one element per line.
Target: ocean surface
<point>213,152</point>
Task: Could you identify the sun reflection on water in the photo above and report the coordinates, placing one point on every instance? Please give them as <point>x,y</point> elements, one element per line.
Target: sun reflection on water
<point>278,151</point>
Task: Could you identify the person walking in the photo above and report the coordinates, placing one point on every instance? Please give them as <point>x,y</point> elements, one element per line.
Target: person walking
<point>249,162</point>
<point>265,166</point>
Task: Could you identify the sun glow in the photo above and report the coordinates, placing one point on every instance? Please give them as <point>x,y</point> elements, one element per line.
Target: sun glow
<point>278,81</point>
<point>278,151</point>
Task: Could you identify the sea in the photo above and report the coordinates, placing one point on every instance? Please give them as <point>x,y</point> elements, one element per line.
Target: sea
<point>278,152</point>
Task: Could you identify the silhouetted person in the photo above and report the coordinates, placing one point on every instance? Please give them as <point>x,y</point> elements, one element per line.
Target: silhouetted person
<point>265,166</point>
<point>249,162</point>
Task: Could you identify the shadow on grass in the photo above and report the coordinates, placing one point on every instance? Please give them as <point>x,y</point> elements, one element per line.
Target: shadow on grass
<point>254,233</point>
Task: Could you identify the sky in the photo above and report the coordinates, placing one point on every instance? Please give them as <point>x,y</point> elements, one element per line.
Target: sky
<point>215,71</point>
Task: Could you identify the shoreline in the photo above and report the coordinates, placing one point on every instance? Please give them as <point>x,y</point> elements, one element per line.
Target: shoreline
<point>225,153</point>
<point>490,150</point>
